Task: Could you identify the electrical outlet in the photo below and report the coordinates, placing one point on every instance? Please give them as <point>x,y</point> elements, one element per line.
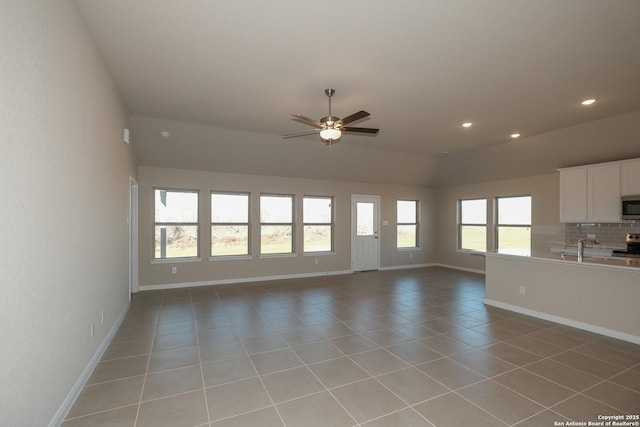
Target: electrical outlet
<point>591,236</point>
<point>103,316</point>
<point>93,329</point>
<point>523,290</point>
<point>174,270</point>
<point>410,255</point>
<point>316,261</point>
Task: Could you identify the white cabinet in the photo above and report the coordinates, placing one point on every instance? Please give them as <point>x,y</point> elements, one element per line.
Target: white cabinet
<point>590,193</point>
<point>603,193</point>
<point>630,178</point>
<point>573,195</point>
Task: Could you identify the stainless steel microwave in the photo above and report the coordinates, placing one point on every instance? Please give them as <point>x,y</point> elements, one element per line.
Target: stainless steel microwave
<point>631,207</point>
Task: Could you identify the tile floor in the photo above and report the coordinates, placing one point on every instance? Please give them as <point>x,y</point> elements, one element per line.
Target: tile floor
<point>392,348</point>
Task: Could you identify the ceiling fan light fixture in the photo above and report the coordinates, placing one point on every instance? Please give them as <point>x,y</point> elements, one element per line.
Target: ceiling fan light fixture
<point>330,134</point>
<point>331,127</point>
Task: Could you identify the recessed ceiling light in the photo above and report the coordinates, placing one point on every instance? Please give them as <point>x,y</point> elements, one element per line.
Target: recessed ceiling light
<point>515,135</point>
<point>164,134</point>
<point>467,125</point>
<point>589,101</point>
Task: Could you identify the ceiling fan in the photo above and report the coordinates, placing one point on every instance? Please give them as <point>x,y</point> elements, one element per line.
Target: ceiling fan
<point>331,127</point>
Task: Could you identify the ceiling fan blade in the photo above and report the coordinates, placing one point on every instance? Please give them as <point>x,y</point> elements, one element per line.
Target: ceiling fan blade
<point>360,130</point>
<point>303,133</point>
<point>354,117</point>
<point>306,120</point>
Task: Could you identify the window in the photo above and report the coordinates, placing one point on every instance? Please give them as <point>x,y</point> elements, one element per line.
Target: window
<point>317,217</point>
<point>472,223</point>
<point>514,225</point>
<point>229,224</point>
<point>407,220</point>
<point>175,224</point>
<point>276,224</point>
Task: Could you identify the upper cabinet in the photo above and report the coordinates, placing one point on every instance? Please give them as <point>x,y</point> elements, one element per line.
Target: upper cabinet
<point>603,193</point>
<point>630,178</point>
<point>590,193</point>
<point>573,195</point>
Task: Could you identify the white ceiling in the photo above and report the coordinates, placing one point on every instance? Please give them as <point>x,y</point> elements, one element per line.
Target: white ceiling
<point>420,67</point>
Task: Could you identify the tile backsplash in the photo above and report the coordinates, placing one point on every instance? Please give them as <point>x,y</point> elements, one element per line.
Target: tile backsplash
<point>606,234</point>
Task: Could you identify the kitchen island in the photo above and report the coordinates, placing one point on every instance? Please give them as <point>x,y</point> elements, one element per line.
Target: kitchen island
<point>601,295</point>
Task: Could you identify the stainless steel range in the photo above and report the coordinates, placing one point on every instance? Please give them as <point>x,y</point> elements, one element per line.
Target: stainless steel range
<point>633,246</point>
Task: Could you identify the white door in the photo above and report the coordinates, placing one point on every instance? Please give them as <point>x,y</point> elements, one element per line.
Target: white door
<point>365,244</point>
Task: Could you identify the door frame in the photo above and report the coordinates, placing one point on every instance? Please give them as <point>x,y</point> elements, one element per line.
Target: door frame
<point>133,237</point>
<point>355,198</point>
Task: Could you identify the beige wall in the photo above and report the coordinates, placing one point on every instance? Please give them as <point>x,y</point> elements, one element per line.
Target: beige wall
<point>207,271</point>
<point>598,298</point>
<point>546,228</point>
<point>65,181</point>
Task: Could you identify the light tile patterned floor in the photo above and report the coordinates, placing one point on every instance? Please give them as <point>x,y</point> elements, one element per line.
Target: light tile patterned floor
<point>392,348</point>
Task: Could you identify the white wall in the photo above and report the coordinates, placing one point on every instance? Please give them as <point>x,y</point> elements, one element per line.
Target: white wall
<point>64,205</point>
<point>216,271</point>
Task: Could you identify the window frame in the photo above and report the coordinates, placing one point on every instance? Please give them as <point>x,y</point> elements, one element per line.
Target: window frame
<point>461,225</point>
<point>498,224</point>
<point>416,224</point>
<point>156,224</point>
<point>330,224</point>
<point>278,224</point>
<point>230,224</point>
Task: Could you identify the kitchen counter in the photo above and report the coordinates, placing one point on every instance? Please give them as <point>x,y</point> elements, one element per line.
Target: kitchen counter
<point>599,255</point>
<point>600,295</point>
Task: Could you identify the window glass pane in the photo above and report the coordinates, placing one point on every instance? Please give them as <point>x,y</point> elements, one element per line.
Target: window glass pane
<point>407,236</point>
<point>514,240</point>
<point>274,209</point>
<point>473,211</point>
<point>316,210</point>
<point>276,239</point>
<point>514,210</point>
<point>317,238</point>
<point>229,240</point>
<point>406,211</point>
<point>176,206</point>
<point>473,237</point>
<point>364,219</point>
<point>176,241</point>
<point>229,208</point>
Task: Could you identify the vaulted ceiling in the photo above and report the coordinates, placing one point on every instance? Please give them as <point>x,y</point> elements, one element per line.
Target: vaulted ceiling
<point>223,77</point>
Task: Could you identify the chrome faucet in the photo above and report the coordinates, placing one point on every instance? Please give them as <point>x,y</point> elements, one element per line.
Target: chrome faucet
<point>581,242</point>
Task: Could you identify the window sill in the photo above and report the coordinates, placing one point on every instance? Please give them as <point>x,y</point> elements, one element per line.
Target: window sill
<point>291,255</point>
<point>414,249</point>
<point>318,253</point>
<point>230,258</point>
<point>175,260</point>
<point>471,252</point>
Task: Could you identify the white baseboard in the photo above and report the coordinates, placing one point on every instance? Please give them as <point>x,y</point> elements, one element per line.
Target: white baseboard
<point>456,267</point>
<point>290,276</point>
<point>68,402</point>
<point>405,267</point>
<point>241,280</point>
<point>565,321</point>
